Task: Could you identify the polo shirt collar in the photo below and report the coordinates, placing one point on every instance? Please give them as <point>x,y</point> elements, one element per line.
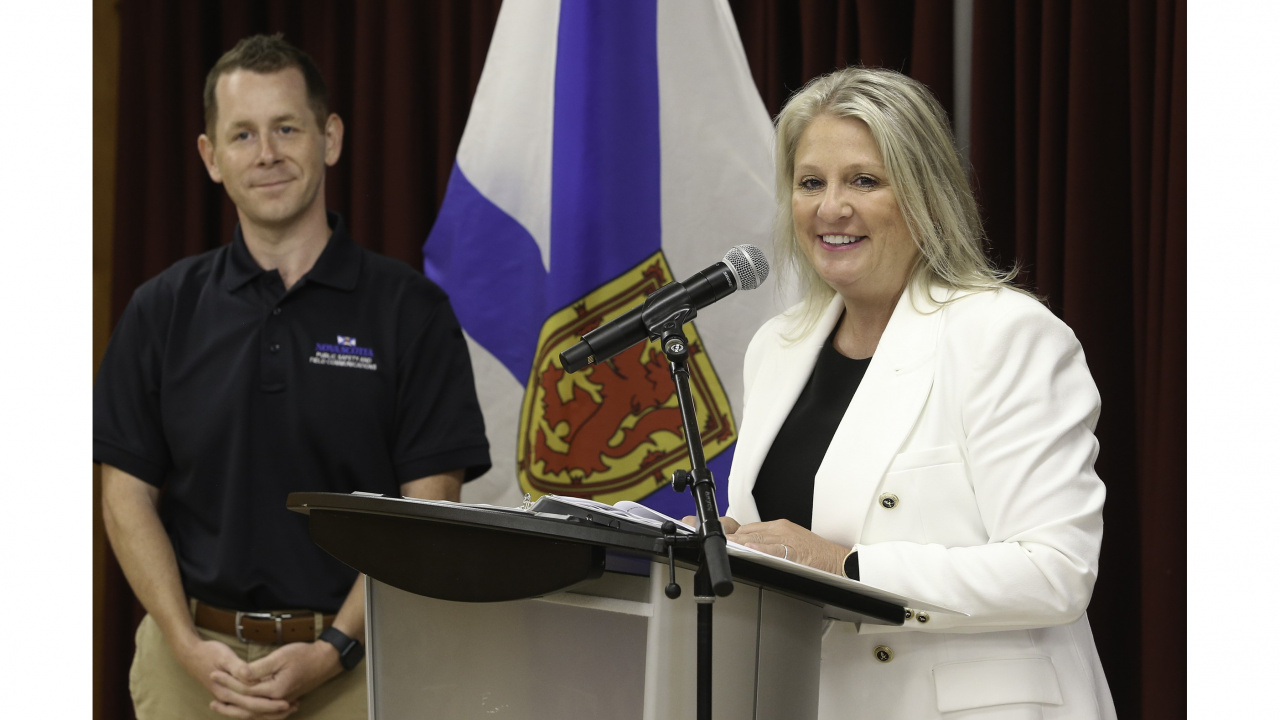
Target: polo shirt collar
<point>338,265</point>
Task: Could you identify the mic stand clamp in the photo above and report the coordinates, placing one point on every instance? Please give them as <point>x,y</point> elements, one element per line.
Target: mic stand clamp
<point>672,541</point>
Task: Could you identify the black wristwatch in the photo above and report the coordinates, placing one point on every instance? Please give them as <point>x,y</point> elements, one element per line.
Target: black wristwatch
<point>350,650</point>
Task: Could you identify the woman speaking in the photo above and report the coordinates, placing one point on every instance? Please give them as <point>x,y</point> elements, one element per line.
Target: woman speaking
<point>919,423</point>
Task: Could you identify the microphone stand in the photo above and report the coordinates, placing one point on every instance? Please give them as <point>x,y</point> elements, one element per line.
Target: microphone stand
<point>665,313</point>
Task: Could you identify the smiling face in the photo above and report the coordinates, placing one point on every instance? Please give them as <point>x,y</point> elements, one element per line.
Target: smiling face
<point>268,149</point>
<point>846,215</point>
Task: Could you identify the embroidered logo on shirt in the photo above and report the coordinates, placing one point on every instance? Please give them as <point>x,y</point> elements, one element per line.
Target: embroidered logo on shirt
<point>344,353</point>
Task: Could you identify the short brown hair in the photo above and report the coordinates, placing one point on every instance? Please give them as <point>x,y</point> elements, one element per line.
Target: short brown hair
<point>266,54</point>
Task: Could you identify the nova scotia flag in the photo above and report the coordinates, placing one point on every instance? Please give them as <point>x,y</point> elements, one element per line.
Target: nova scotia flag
<point>612,147</point>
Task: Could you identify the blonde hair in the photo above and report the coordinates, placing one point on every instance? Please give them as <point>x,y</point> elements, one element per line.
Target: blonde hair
<point>914,138</point>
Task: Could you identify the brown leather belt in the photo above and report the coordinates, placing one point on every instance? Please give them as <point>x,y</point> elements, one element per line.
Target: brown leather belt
<point>267,628</point>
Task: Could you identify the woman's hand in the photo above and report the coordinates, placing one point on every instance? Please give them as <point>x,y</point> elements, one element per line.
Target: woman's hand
<point>786,539</point>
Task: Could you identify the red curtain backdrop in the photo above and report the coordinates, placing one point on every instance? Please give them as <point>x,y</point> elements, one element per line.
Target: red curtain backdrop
<point>1078,150</point>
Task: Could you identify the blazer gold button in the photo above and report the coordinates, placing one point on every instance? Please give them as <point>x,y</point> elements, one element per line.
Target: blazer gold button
<point>909,613</point>
<point>889,501</point>
<point>922,617</point>
<point>883,653</point>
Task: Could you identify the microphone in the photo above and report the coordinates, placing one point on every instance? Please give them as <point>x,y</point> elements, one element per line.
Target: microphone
<point>743,267</point>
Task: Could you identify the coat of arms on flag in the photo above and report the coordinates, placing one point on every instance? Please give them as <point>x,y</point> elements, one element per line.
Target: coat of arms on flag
<point>613,432</point>
<point>612,147</point>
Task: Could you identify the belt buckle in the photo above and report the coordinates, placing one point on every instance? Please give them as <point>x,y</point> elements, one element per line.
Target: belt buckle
<point>279,618</point>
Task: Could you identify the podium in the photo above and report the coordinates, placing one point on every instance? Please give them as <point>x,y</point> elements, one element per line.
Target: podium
<point>481,612</point>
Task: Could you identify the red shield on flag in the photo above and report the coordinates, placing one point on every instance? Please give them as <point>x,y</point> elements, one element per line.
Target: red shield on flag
<point>612,432</point>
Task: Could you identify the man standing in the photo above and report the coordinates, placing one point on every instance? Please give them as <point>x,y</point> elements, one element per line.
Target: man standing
<point>289,360</point>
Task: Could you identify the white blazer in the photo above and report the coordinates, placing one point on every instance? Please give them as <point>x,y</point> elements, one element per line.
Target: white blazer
<point>963,472</point>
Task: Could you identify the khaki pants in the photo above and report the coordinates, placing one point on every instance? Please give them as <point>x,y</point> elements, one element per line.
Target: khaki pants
<point>162,689</point>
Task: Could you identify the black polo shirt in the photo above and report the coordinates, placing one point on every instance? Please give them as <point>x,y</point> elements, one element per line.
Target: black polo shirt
<point>230,393</point>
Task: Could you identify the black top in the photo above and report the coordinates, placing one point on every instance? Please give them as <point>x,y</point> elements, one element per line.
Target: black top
<point>230,393</point>
<point>784,485</point>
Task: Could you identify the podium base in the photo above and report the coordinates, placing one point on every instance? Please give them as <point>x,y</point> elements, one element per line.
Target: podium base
<point>610,648</point>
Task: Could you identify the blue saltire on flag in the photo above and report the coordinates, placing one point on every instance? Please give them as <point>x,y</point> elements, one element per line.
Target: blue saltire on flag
<point>601,134</point>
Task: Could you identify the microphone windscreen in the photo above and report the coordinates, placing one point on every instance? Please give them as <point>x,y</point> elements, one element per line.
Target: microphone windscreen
<point>748,265</point>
